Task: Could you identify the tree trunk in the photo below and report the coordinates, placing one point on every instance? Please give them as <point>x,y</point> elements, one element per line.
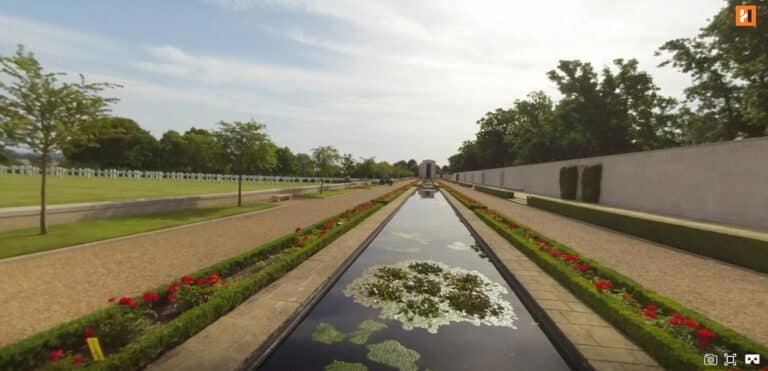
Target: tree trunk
<point>321,185</point>
<point>44,169</point>
<point>240,190</point>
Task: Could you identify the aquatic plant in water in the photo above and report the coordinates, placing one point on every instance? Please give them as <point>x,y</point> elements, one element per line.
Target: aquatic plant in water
<point>394,354</point>
<point>327,334</point>
<point>427,294</point>
<point>364,330</point>
<point>345,366</point>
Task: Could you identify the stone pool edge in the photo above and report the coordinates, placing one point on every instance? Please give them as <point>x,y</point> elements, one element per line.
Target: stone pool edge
<point>240,337</point>
<point>601,345</point>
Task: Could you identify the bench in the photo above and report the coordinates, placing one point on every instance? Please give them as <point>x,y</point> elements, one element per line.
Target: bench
<point>281,197</point>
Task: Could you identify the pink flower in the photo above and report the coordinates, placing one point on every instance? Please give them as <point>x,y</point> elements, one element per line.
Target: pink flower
<point>56,354</point>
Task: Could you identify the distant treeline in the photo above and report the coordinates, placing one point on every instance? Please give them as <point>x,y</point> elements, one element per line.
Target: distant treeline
<point>120,143</point>
<point>619,109</point>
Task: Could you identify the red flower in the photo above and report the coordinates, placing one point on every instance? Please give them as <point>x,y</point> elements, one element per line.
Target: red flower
<point>172,298</point>
<point>649,313</point>
<point>691,323</point>
<point>544,248</point>
<point>150,297</point>
<point>674,321</point>
<point>88,332</point>
<point>705,336</point>
<point>111,299</point>
<point>133,305</point>
<point>125,300</point>
<point>202,281</point>
<point>173,287</point>
<point>678,315</point>
<point>56,354</point>
<point>570,257</point>
<point>556,253</point>
<point>297,241</point>
<point>512,225</point>
<point>187,280</point>
<point>213,278</point>
<point>581,267</point>
<point>603,284</point>
<point>652,307</point>
<point>78,359</point>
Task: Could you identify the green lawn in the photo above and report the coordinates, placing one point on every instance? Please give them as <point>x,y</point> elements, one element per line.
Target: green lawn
<point>22,190</point>
<point>28,240</point>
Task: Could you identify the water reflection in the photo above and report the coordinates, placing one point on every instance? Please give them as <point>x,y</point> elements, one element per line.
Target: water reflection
<point>346,330</point>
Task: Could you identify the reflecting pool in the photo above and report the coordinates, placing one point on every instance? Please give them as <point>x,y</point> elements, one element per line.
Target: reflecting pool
<point>422,296</point>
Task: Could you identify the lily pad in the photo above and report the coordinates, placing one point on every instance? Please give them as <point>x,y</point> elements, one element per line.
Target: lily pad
<point>327,334</point>
<point>345,366</point>
<point>364,330</point>
<point>394,354</point>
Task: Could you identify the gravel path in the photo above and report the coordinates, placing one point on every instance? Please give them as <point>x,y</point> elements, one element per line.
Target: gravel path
<point>734,296</point>
<point>41,291</point>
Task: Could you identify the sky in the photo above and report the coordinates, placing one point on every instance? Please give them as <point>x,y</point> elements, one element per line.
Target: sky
<point>392,79</point>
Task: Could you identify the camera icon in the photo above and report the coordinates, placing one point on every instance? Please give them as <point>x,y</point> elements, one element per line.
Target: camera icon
<point>752,359</point>
<point>710,359</point>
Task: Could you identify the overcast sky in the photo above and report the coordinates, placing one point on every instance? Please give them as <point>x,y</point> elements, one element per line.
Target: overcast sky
<point>390,79</point>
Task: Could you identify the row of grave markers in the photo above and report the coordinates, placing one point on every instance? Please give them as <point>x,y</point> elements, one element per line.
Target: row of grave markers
<point>157,175</point>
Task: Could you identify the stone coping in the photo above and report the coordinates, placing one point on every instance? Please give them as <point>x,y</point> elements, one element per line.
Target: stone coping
<point>249,329</point>
<point>601,344</point>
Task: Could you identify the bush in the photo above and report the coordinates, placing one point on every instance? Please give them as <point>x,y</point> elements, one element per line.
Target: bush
<point>591,177</point>
<point>569,179</point>
<point>503,193</point>
<point>743,251</point>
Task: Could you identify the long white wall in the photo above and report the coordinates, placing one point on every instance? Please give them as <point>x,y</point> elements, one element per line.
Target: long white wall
<point>720,182</point>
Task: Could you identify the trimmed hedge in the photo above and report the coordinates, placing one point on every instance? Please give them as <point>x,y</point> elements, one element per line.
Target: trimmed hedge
<point>591,177</point>
<point>503,193</point>
<point>742,251</point>
<point>671,352</point>
<point>32,352</point>
<point>569,182</point>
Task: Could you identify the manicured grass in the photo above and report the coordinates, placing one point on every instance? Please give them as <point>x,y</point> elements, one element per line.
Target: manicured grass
<point>22,190</point>
<point>328,193</point>
<point>28,240</point>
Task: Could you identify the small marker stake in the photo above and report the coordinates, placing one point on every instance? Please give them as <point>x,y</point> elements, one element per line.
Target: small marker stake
<point>95,347</point>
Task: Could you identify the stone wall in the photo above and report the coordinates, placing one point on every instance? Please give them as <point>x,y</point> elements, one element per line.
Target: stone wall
<point>719,182</point>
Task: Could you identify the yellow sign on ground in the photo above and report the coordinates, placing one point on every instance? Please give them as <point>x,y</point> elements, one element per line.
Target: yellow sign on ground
<point>95,347</point>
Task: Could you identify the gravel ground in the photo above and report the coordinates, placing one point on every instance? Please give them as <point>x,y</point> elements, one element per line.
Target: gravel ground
<point>734,296</point>
<point>41,291</point>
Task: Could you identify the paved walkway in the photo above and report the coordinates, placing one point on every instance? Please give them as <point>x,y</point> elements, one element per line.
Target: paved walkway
<point>227,343</point>
<point>602,345</point>
<point>42,291</point>
<point>734,296</point>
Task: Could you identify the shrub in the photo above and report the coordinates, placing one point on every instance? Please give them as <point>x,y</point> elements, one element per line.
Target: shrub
<point>743,251</point>
<point>591,177</point>
<point>503,193</point>
<point>569,178</point>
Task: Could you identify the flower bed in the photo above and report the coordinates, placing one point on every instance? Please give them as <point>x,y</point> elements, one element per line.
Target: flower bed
<point>387,197</point>
<point>675,336</point>
<point>133,331</point>
<point>464,199</point>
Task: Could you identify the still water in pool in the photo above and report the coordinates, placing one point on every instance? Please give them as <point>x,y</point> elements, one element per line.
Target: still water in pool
<point>421,296</point>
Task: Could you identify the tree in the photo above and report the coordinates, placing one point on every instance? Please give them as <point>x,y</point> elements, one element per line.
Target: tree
<point>347,164</point>
<point>304,165</point>
<point>43,113</point>
<point>326,160</point>
<point>247,148</point>
<point>728,67</point>
<point>286,162</point>
<point>112,142</point>
<point>413,166</point>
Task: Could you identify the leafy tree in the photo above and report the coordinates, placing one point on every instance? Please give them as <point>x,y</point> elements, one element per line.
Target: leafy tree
<point>347,164</point>
<point>304,165</point>
<point>366,168</point>
<point>43,113</point>
<point>286,162</point>
<point>326,160</point>
<point>247,148</point>
<point>413,166</point>
<point>729,69</point>
<point>112,142</point>
<point>204,151</point>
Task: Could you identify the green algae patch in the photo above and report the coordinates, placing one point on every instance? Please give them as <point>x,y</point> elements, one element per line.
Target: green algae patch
<point>394,354</point>
<point>427,294</point>
<point>345,366</point>
<point>327,334</point>
<point>364,330</point>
